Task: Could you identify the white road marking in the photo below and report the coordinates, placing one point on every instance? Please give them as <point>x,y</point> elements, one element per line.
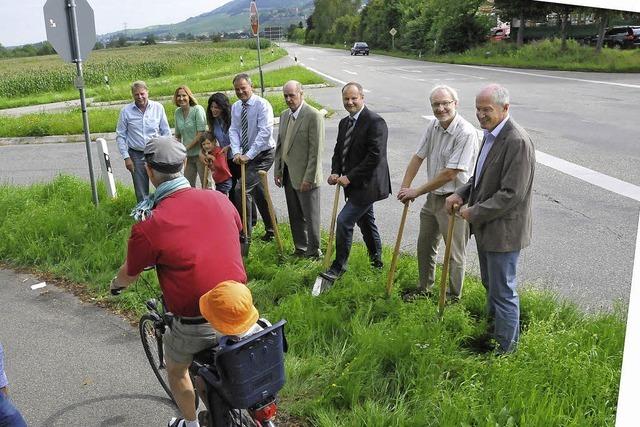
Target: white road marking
<point>353,73</point>
<point>592,177</point>
<point>413,79</point>
<point>329,77</point>
<point>600,82</point>
<point>407,70</point>
<point>628,409</point>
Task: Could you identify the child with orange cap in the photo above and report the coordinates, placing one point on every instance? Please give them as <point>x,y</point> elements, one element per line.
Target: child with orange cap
<point>229,309</point>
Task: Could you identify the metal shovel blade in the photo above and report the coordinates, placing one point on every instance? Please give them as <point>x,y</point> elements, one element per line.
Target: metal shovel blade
<point>323,282</point>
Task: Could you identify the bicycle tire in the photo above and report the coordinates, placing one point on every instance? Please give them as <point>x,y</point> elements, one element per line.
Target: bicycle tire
<point>152,344</point>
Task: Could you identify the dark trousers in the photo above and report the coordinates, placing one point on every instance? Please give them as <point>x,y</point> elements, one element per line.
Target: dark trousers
<point>139,174</point>
<point>255,193</point>
<point>304,216</point>
<point>350,215</point>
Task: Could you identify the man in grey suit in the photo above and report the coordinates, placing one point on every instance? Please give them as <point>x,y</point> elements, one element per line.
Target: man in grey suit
<point>298,167</point>
<point>499,209</point>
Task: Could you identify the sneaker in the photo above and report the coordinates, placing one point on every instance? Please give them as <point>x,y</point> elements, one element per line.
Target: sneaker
<point>176,422</point>
<point>416,293</point>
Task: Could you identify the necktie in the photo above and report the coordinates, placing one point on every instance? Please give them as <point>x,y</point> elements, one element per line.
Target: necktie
<point>244,125</point>
<point>287,138</point>
<point>347,143</point>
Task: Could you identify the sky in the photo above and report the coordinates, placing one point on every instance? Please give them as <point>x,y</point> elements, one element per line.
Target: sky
<point>22,21</point>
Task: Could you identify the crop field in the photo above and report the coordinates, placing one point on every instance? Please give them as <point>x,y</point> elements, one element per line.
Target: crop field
<point>26,81</point>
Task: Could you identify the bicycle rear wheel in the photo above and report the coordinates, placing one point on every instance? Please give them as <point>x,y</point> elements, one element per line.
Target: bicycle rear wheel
<point>151,338</point>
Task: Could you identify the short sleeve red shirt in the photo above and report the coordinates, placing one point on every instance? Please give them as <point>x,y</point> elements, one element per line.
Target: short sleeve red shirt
<point>192,238</point>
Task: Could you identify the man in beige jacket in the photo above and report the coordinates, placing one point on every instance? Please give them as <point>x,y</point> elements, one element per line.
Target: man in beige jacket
<point>298,168</point>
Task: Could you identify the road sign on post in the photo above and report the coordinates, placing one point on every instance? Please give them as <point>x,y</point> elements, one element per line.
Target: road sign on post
<point>253,17</point>
<point>57,23</point>
<point>393,33</point>
<point>71,30</point>
<point>255,29</point>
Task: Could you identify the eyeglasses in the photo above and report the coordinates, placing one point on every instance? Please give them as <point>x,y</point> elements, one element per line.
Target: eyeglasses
<point>444,104</point>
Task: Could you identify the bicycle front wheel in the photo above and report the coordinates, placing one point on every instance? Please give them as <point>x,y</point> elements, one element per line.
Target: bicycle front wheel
<point>151,337</point>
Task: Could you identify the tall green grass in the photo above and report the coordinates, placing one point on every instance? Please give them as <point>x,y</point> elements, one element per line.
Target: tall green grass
<point>355,357</point>
<point>105,119</point>
<point>27,81</point>
<point>547,54</point>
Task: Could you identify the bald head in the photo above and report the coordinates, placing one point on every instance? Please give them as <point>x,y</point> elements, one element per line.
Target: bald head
<point>293,94</point>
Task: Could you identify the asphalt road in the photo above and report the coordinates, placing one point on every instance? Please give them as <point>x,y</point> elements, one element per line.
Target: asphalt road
<point>584,236</point>
<point>73,364</point>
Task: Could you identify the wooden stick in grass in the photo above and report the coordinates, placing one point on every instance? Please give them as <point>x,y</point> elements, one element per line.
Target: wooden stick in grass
<point>332,229</point>
<point>445,264</point>
<point>272,214</point>
<point>396,249</point>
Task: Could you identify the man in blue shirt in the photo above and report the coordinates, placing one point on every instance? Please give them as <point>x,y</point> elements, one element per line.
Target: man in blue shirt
<point>252,143</point>
<point>9,415</point>
<point>139,121</point>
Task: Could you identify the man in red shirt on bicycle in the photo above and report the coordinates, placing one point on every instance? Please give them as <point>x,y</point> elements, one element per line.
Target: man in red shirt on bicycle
<point>191,236</point>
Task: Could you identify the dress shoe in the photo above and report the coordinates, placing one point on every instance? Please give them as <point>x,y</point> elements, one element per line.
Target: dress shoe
<point>268,236</point>
<point>377,264</point>
<point>314,255</point>
<point>415,294</point>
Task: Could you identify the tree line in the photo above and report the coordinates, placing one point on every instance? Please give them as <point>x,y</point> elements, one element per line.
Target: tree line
<point>445,26</point>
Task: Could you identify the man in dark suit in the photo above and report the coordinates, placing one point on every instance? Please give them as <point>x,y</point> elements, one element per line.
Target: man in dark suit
<point>298,168</point>
<point>359,164</point>
<point>499,209</point>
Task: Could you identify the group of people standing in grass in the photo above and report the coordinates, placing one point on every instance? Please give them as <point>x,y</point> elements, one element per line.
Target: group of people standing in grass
<point>486,178</point>
<point>487,183</point>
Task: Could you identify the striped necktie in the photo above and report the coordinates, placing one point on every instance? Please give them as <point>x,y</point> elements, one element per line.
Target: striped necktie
<point>347,143</point>
<point>244,125</point>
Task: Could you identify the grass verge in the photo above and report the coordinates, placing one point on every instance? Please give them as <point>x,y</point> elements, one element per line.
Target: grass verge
<point>544,54</point>
<point>106,119</point>
<point>355,357</point>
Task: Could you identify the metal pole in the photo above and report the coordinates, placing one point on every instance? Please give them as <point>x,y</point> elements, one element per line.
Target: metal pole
<point>260,65</point>
<point>75,42</point>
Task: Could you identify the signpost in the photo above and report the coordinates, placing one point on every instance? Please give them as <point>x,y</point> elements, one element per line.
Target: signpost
<point>393,33</point>
<point>71,30</point>
<point>255,29</point>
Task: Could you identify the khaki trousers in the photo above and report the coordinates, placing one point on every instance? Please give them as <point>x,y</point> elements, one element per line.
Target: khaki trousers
<point>434,223</point>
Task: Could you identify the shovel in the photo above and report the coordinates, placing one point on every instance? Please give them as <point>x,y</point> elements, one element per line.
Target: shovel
<point>272,214</point>
<point>324,281</point>
<point>245,240</point>
<point>445,264</point>
<point>396,250</point>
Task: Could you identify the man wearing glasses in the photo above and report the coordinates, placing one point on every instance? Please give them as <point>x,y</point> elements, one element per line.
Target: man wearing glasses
<point>450,147</point>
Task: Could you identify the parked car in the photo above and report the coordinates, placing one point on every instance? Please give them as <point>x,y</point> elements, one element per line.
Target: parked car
<point>360,48</point>
<point>498,34</point>
<point>622,37</point>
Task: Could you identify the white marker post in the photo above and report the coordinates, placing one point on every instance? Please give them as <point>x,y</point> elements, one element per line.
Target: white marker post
<point>107,171</point>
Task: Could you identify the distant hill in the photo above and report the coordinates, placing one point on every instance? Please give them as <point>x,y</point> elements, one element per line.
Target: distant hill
<point>229,18</point>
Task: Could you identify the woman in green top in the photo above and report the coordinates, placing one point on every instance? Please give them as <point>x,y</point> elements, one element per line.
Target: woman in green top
<point>191,120</point>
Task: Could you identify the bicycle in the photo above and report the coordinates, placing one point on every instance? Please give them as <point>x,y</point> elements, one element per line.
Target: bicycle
<point>237,380</point>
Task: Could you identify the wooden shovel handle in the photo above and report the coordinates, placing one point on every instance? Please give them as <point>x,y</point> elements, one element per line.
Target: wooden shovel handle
<point>445,264</point>
<point>272,214</point>
<point>396,249</point>
<point>243,183</point>
<point>332,229</point>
